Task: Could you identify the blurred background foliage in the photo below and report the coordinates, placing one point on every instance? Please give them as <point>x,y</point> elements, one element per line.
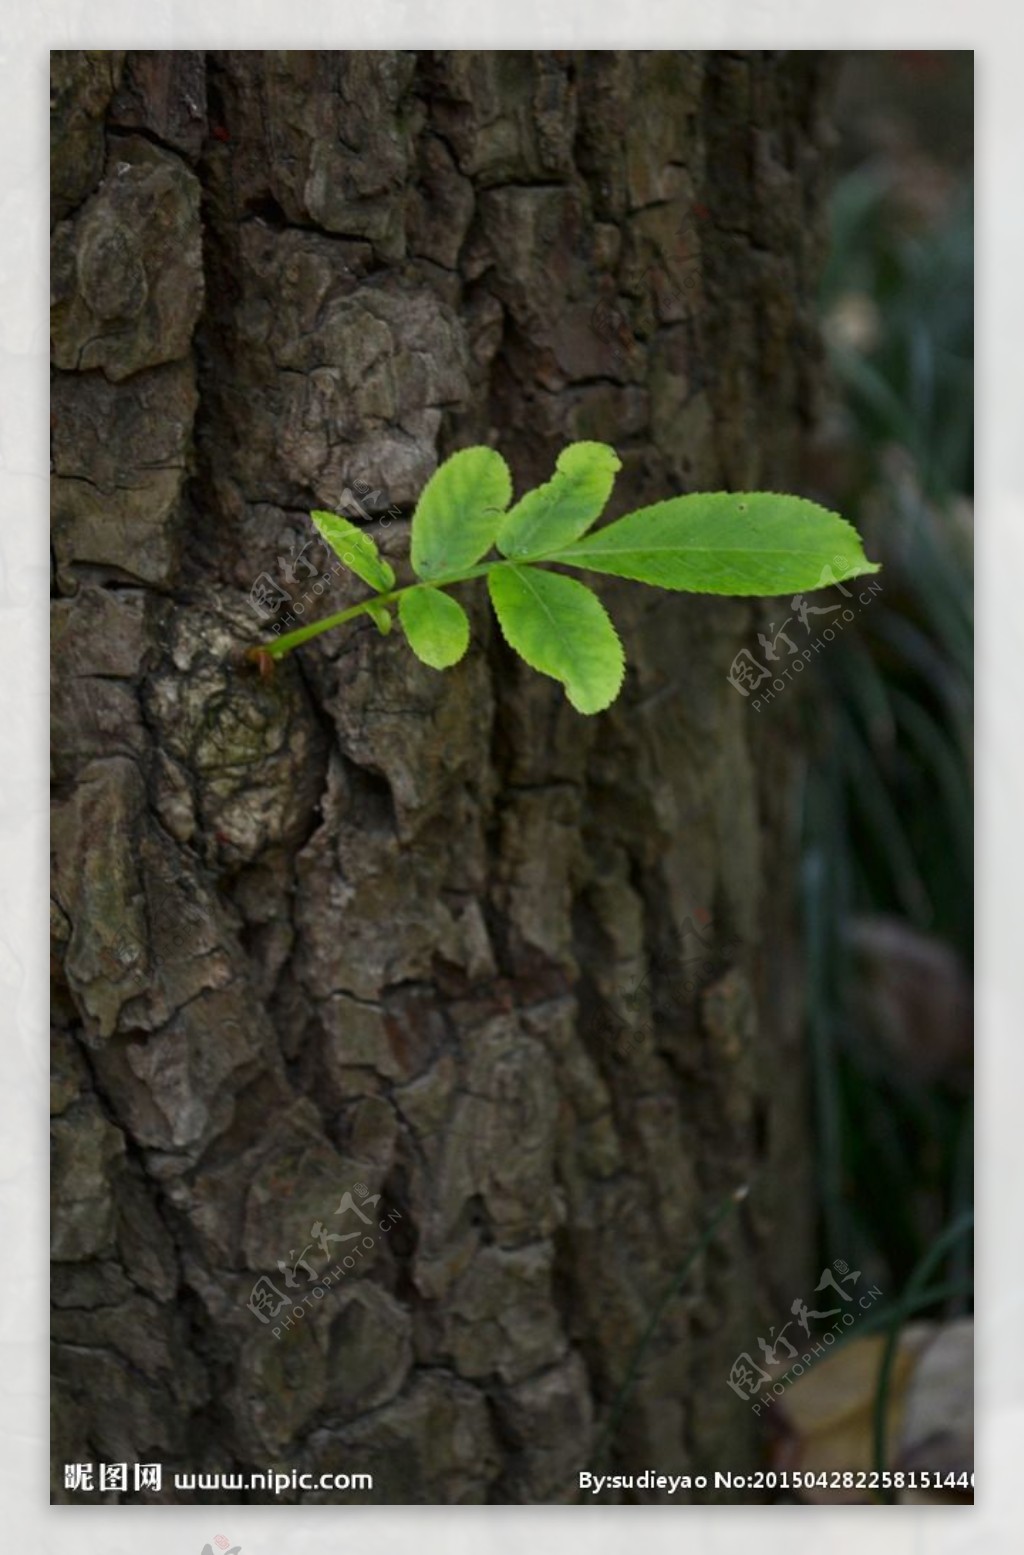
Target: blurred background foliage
<point>887,808</point>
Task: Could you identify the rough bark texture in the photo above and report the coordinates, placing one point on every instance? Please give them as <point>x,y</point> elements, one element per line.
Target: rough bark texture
<point>356,925</point>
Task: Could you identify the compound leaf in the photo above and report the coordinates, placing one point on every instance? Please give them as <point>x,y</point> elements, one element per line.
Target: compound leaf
<point>724,543</point>
<point>356,549</point>
<point>562,509</point>
<point>457,517</point>
<point>562,629</point>
<point>436,625</point>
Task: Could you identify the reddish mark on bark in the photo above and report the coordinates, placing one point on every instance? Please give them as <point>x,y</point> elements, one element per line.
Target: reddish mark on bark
<point>219,132</point>
<point>701,212</point>
<point>263,661</point>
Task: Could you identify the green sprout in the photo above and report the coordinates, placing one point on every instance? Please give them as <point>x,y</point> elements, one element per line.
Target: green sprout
<point>745,543</point>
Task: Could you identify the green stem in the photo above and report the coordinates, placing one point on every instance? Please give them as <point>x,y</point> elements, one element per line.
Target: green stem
<point>302,634</point>
<point>915,1286</point>
<point>901,1310</point>
<point>606,1436</point>
<point>282,645</point>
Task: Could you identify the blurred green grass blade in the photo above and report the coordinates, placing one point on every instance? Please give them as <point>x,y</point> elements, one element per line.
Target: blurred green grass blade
<point>875,801</point>
<point>916,1284</point>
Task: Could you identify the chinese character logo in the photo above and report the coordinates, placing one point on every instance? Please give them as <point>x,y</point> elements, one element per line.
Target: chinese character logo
<point>266,596</point>
<point>297,567</point>
<point>746,1376</point>
<point>262,1300</point>
<point>746,673</point>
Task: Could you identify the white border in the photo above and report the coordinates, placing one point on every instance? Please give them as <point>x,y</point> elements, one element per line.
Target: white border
<point>997,32</point>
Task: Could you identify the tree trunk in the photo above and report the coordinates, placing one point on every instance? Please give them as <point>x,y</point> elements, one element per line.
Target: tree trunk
<point>359,929</point>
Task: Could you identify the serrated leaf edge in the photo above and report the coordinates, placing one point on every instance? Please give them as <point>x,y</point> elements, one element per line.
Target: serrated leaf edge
<point>565,556</point>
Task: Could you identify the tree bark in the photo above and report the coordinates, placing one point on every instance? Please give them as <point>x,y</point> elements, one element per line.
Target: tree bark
<point>357,929</point>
